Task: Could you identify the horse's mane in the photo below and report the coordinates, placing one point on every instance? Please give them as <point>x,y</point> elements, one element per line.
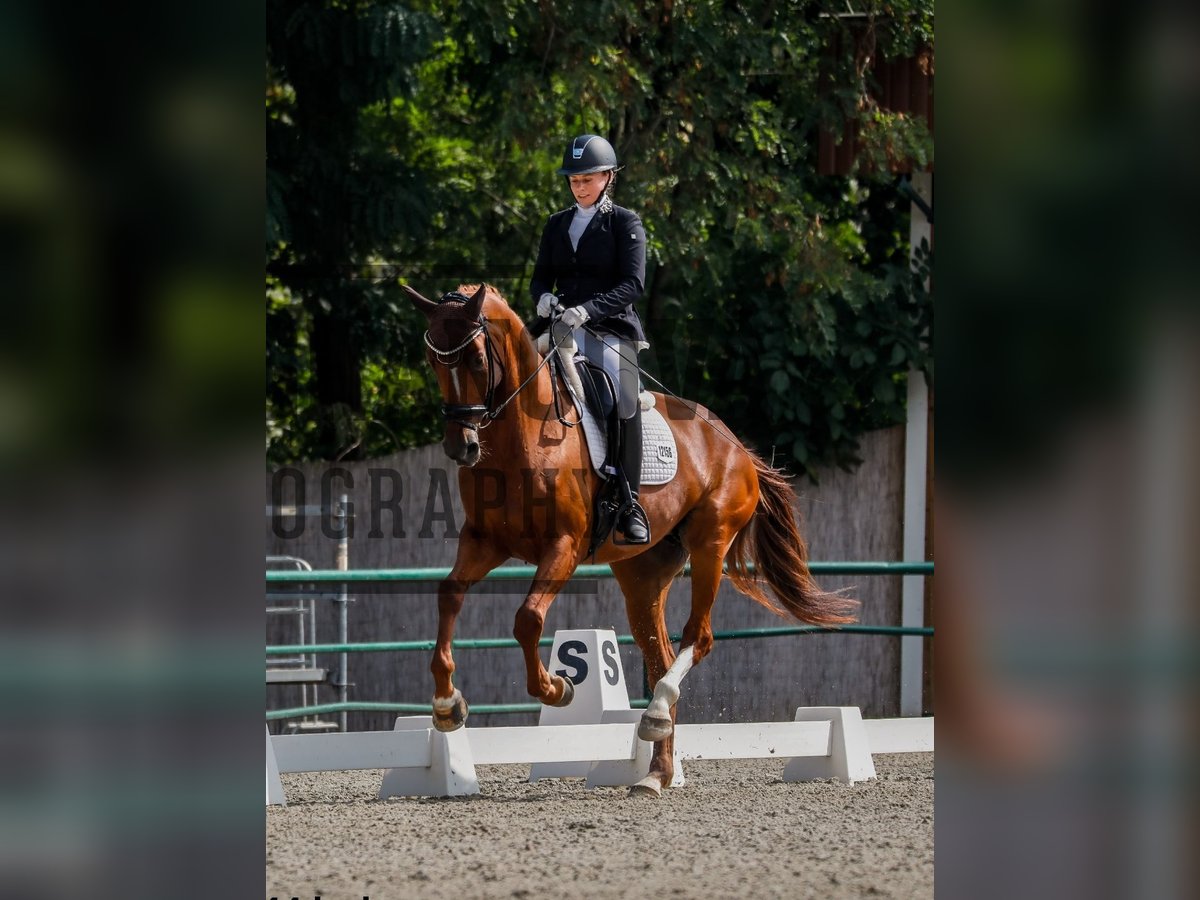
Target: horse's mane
<point>495,307</point>
<point>469,289</point>
<point>490,295</point>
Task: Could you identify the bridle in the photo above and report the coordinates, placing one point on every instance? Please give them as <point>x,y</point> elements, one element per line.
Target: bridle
<point>462,413</point>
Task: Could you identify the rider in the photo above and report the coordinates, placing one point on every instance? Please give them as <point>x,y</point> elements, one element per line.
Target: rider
<point>593,255</point>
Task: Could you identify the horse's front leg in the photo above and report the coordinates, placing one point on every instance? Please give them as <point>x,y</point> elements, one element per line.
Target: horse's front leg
<point>476,557</point>
<point>554,569</point>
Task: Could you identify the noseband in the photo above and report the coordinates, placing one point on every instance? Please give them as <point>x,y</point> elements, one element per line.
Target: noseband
<point>462,413</point>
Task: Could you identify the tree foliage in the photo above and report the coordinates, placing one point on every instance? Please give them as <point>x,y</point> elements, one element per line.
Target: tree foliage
<point>419,141</point>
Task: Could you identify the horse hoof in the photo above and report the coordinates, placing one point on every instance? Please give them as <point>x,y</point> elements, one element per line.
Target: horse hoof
<point>568,692</point>
<point>450,714</point>
<point>653,728</point>
<point>649,786</point>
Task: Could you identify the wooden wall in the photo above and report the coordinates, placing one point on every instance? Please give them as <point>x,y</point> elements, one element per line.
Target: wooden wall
<point>847,516</point>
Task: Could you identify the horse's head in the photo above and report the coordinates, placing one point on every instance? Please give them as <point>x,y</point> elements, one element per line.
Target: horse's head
<point>460,350</point>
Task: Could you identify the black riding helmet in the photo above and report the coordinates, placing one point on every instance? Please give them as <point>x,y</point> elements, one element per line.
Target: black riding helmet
<point>586,154</point>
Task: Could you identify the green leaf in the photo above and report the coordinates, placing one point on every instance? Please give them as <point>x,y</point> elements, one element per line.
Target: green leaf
<point>885,390</point>
<point>780,381</point>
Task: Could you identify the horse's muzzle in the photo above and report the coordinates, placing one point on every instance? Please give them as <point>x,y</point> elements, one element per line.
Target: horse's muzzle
<point>462,447</point>
<point>470,455</point>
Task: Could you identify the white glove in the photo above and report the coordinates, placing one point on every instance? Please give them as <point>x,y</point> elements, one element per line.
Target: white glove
<point>546,304</point>
<point>574,317</point>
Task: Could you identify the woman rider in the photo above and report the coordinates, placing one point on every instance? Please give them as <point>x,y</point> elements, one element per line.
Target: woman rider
<point>592,261</point>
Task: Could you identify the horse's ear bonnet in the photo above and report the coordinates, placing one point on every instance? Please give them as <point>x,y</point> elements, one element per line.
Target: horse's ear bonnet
<point>473,305</point>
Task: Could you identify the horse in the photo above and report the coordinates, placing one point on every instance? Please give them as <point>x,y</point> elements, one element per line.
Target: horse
<point>724,505</point>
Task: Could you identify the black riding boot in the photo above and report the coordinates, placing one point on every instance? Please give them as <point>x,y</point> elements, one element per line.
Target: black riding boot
<point>632,523</point>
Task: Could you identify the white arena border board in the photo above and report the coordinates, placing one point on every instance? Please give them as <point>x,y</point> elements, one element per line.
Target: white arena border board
<point>823,743</point>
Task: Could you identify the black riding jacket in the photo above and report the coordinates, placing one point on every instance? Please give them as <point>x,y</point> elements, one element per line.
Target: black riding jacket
<point>605,275</point>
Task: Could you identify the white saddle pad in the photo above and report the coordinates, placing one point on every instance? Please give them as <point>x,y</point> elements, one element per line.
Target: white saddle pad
<point>660,457</point>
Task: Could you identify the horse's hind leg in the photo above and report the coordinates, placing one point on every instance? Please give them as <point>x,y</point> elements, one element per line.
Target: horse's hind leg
<point>707,537</point>
<point>645,581</point>
<point>475,559</point>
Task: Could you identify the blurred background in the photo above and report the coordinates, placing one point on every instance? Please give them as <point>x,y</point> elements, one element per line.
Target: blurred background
<point>131,184</point>
<point>416,142</point>
<point>1067,446</point>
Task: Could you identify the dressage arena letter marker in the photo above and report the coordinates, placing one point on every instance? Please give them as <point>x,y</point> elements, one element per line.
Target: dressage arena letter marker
<point>574,655</point>
<point>589,657</point>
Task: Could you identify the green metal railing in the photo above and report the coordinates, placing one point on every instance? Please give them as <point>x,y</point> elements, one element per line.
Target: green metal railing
<point>358,576</point>
<point>525,572</point>
<point>493,643</point>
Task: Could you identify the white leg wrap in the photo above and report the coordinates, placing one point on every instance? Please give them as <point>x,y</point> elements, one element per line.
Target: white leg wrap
<point>666,692</point>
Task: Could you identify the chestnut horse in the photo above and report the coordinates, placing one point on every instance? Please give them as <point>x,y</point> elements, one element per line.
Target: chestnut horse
<point>724,504</point>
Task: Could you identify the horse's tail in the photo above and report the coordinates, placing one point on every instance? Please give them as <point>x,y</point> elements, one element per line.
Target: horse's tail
<point>772,541</point>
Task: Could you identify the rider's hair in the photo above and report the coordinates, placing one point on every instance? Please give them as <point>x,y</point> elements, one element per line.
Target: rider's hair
<point>606,203</point>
